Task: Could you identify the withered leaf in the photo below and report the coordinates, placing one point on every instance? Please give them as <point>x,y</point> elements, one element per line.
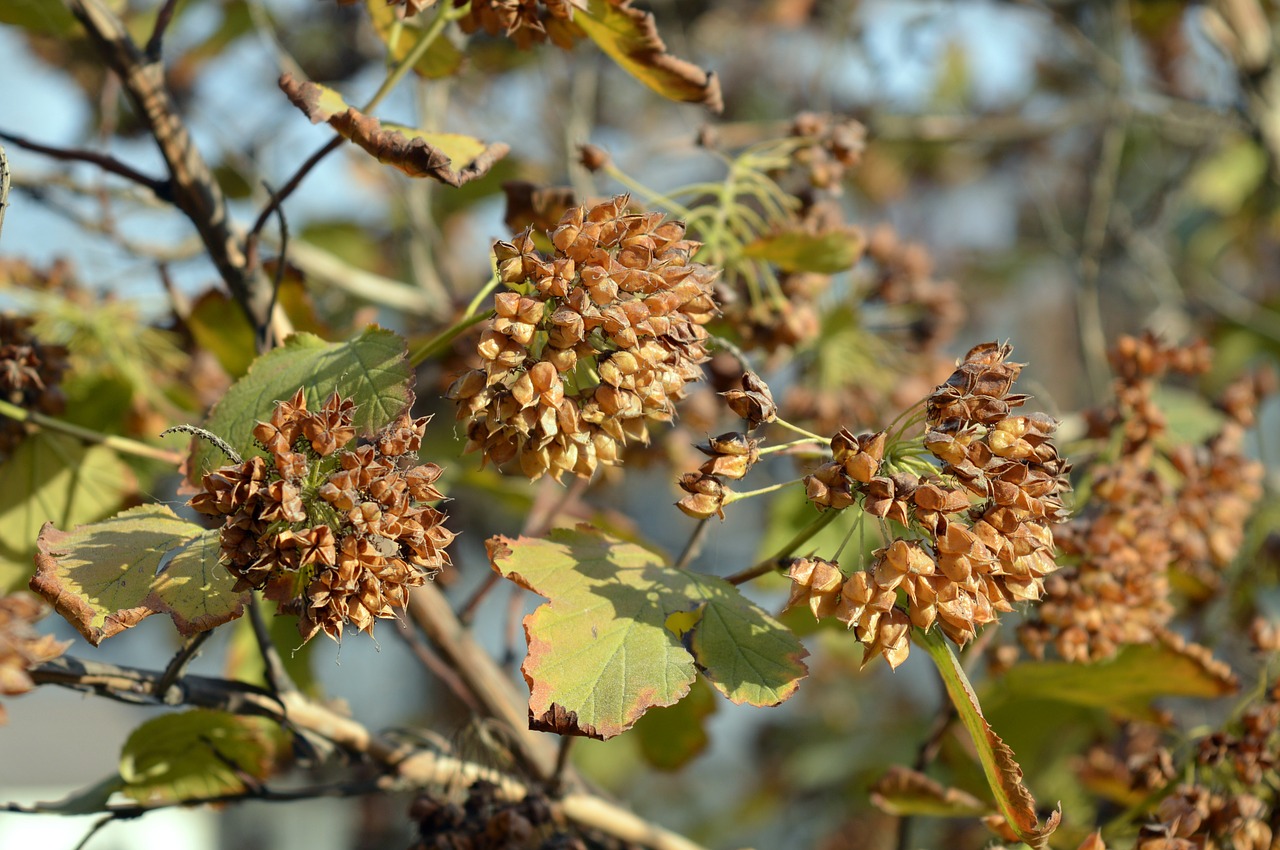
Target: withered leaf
<point>905,792</point>
<point>102,578</point>
<point>561,721</point>
<point>417,155</point>
<point>629,37</point>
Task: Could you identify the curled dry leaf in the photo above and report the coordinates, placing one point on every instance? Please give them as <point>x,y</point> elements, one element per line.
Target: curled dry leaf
<point>902,791</point>
<point>418,155</point>
<point>629,37</point>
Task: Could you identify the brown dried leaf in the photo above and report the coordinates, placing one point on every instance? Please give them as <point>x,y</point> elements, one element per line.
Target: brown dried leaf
<point>905,792</point>
<point>417,154</point>
<point>628,36</point>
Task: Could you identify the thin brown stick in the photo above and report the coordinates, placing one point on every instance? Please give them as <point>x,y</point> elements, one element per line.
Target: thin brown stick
<point>192,185</point>
<point>4,185</point>
<point>104,161</point>
<point>293,183</point>
<point>278,678</point>
<point>163,18</point>
<point>488,682</point>
<point>406,765</point>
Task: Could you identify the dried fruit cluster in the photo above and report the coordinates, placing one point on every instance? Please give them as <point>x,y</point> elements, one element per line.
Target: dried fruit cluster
<point>1194,817</point>
<point>833,144</point>
<point>591,343</point>
<point>979,537</point>
<point>20,647</point>
<point>30,372</point>
<point>484,821</point>
<point>1144,522</point>
<point>334,535</point>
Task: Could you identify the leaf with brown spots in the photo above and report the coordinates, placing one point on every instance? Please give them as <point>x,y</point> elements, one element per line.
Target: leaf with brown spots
<point>602,651</point>
<point>416,153</point>
<point>905,793</point>
<point>102,577</point>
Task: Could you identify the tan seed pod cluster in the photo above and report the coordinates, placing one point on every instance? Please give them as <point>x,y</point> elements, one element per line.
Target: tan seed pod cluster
<point>30,374</point>
<point>20,647</point>
<point>834,144</point>
<point>591,343</point>
<point>1194,818</point>
<point>525,22</point>
<point>1144,522</point>
<point>332,534</point>
<point>978,531</point>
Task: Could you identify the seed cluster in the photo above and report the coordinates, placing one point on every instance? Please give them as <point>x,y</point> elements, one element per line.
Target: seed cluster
<point>334,535</point>
<point>20,647</point>
<point>592,342</point>
<point>1145,523</point>
<point>525,22</point>
<point>979,537</point>
<point>484,821</point>
<point>30,372</point>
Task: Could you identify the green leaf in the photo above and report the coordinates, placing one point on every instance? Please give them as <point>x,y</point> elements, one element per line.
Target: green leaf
<point>199,754</point>
<point>102,577</point>
<point>1004,775</point>
<point>1189,416</point>
<point>601,653</point>
<point>906,793</point>
<point>672,736</point>
<point>371,369</point>
<point>1127,684</point>
<point>52,477</point>
<point>442,59</point>
<point>38,16</point>
<point>628,36</point>
<point>220,327</point>
<point>1226,180</point>
<point>800,251</point>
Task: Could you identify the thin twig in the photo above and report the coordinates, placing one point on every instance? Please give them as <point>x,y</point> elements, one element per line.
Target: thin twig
<point>293,183</point>
<point>111,441</point>
<point>278,678</point>
<point>436,665</point>
<point>177,668</point>
<point>493,689</point>
<point>694,545</point>
<point>104,161</point>
<point>4,185</point>
<point>407,766</point>
<point>562,763</point>
<point>262,333</point>
<point>163,18</point>
<point>468,610</point>
<point>192,186</point>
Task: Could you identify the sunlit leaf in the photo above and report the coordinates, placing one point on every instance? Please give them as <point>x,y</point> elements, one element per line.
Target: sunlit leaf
<point>1125,685</point>
<point>1223,181</point>
<point>629,37</point>
<point>672,736</point>
<point>801,251</point>
<point>414,153</point>
<point>52,477</point>
<point>1004,775</point>
<point>102,577</point>
<point>200,754</point>
<point>38,16</point>
<point>370,368</point>
<point>601,652</point>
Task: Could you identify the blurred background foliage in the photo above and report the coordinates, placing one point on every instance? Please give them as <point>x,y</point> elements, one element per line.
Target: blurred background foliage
<point>1078,169</point>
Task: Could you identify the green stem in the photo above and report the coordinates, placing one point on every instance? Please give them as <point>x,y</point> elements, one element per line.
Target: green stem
<point>772,488</point>
<point>489,287</point>
<point>650,196</point>
<point>772,563</point>
<point>442,19</point>
<point>782,447</point>
<point>437,343</point>
<point>120,444</point>
<point>801,431</point>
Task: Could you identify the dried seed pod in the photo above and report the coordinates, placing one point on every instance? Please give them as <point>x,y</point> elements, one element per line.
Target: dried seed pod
<point>754,402</point>
<point>21,648</point>
<point>620,294</point>
<point>332,534</point>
